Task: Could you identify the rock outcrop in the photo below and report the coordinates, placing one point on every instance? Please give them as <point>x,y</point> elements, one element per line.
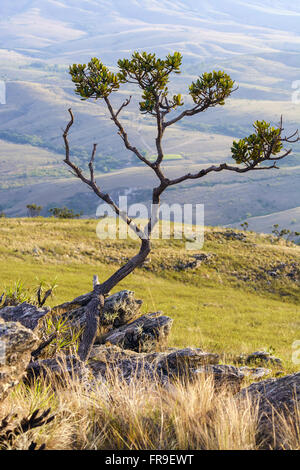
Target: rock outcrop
<point>230,376</point>
<point>63,368</point>
<point>142,335</point>
<point>109,361</point>
<point>119,309</point>
<point>276,398</point>
<point>197,261</point>
<point>16,345</point>
<point>262,358</point>
<point>26,314</point>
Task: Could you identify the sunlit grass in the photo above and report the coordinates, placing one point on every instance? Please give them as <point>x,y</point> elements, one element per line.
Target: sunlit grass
<point>142,415</point>
<point>212,306</point>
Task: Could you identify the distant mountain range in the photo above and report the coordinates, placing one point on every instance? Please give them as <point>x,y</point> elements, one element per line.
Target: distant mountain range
<point>257,42</point>
<point>62,30</point>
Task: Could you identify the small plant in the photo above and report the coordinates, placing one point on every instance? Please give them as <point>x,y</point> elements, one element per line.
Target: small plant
<point>285,233</point>
<point>245,226</point>
<point>64,213</point>
<point>2,215</point>
<point>16,295</point>
<point>33,210</point>
<point>42,296</point>
<point>271,350</point>
<point>10,431</point>
<point>63,336</point>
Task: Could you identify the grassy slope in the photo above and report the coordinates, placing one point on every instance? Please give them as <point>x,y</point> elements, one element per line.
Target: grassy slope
<point>228,305</point>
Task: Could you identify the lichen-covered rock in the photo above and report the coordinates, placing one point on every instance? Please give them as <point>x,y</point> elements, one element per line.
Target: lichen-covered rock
<point>80,301</point>
<point>223,376</point>
<point>111,361</point>
<point>119,308</point>
<point>262,358</point>
<point>255,373</point>
<point>26,314</point>
<point>107,362</point>
<point>64,368</point>
<point>162,366</point>
<point>230,376</point>
<point>16,345</point>
<point>181,361</point>
<point>142,335</point>
<point>197,260</point>
<point>275,397</point>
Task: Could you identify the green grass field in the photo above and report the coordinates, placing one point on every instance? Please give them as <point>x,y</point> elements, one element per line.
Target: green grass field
<point>229,304</point>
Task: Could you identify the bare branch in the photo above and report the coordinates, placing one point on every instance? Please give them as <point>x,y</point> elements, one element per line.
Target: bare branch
<point>217,169</point>
<point>91,164</point>
<point>155,166</point>
<point>123,134</point>
<point>92,183</point>
<point>126,103</point>
<point>200,108</point>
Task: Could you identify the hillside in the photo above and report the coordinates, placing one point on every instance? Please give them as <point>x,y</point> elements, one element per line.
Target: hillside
<point>244,297</point>
<point>257,43</point>
<point>67,28</point>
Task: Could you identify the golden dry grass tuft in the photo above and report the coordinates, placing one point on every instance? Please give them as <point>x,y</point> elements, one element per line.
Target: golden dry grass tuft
<point>142,415</point>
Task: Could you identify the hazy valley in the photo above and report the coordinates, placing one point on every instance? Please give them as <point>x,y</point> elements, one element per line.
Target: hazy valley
<point>260,50</point>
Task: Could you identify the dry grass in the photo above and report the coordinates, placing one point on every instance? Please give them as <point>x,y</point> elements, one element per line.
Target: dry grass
<point>141,416</point>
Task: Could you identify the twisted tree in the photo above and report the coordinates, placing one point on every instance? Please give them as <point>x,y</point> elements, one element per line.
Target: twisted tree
<point>259,151</point>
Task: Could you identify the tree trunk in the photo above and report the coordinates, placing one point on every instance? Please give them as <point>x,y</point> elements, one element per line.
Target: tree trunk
<point>96,304</point>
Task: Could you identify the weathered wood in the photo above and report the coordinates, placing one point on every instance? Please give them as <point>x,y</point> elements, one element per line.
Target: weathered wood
<point>94,310</point>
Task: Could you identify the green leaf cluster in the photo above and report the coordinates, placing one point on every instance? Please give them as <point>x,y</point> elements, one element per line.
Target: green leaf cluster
<point>264,142</point>
<point>152,76</point>
<point>211,88</point>
<point>94,80</point>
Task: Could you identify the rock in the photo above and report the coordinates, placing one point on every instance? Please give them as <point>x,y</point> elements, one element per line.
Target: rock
<point>36,251</point>
<point>163,366</point>
<point>109,361</point>
<point>262,357</point>
<point>275,397</point>
<point>80,301</point>
<point>16,345</point>
<point>195,263</point>
<point>183,361</point>
<point>142,335</point>
<point>231,234</point>
<point>226,376</point>
<point>291,271</point>
<point>60,367</point>
<point>26,314</point>
<point>232,376</point>
<point>255,373</point>
<point>105,363</point>
<point>119,309</point>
